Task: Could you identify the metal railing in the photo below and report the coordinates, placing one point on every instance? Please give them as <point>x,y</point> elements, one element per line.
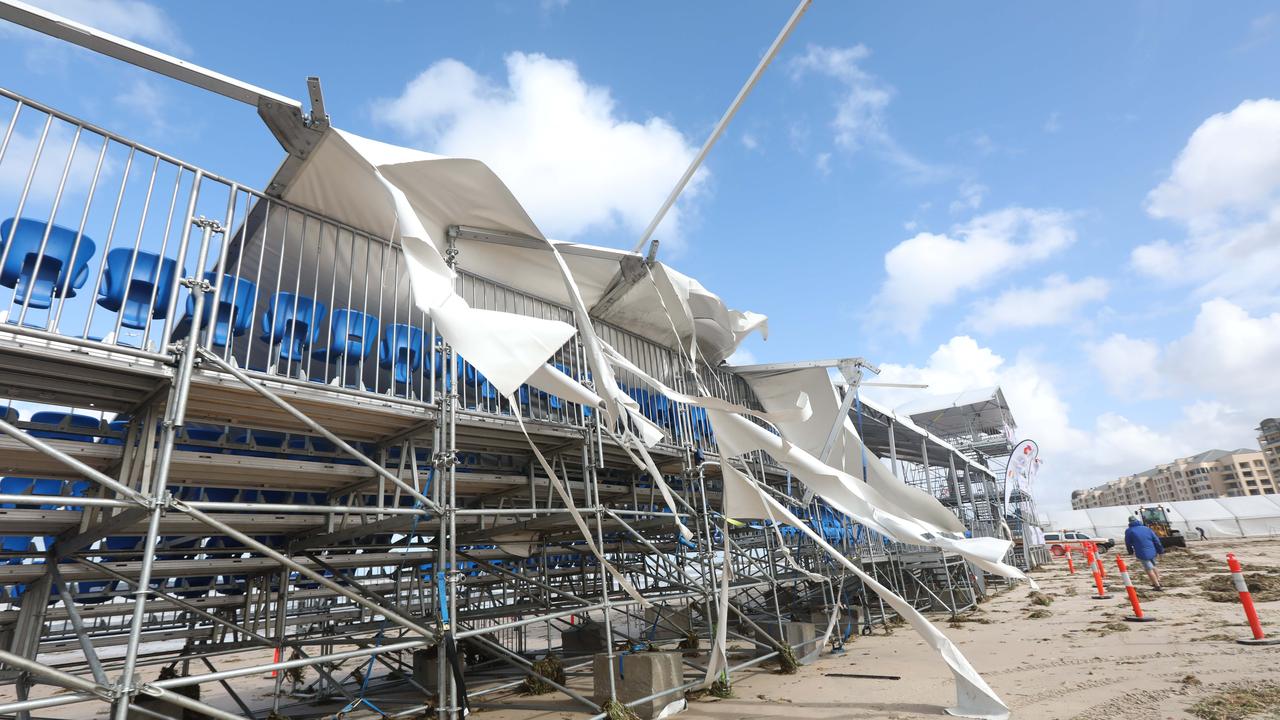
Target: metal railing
<point>99,249</point>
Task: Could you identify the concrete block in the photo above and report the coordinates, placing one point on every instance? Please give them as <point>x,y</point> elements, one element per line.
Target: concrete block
<point>817,618</point>
<point>804,634</point>
<point>642,674</point>
<point>165,707</point>
<point>585,639</point>
<point>425,668</point>
<point>667,622</point>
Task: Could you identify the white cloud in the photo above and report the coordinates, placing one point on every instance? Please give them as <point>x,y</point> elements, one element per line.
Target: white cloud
<point>1128,366</point>
<point>749,141</point>
<point>146,100</point>
<point>1074,456</point>
<point>1158,259</point>
<point>741,356</point>
<point>1057,301</point>
<point>1261,30</point>
<point>559,142</point>
<point>1224,367</point>
<point>823,163</point>
<point>860,121</point>
<point>1224,188</point>
<point>57,148</point>
<point>130,19</point>
<point>1222,372</point>
<point>983,143</point>
<point>971,196</point>
<point>962,364</point>
<point>1231,163</point>
<point>1054,122</point>
<point>929,270</point>
<point>1118,446</point>
<point>1231,356</point>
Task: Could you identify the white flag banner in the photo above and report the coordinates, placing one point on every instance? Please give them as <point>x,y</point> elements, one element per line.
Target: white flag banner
<point>1021,468</point>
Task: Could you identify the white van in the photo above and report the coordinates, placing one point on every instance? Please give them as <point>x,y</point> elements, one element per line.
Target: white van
<point>1059,541</point>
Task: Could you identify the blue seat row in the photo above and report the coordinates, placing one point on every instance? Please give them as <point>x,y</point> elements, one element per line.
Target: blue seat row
<point>43,261</point>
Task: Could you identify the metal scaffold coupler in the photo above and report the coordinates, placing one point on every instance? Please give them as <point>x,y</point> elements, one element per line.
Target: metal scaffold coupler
<point>445,459</point>
<point>203,222</point>
<point>194,284</point>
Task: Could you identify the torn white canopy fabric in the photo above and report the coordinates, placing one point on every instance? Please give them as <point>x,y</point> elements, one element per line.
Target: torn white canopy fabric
<point>566,496</point>
<point>342,179</point>
<point>550,379</point>
<point>797,411</point>
<point>777,389</point>
<point>738,437</point>
<point>974,698</point>
<point>617,404</point>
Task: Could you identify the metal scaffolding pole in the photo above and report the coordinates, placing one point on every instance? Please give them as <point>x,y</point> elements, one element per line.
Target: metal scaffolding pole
<point>175,414</point>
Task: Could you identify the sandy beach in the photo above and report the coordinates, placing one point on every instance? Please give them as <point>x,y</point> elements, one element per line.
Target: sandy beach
<point>1074,658</point>
<point>1080,661</point>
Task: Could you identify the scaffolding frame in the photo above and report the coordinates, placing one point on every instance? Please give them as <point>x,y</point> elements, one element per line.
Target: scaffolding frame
<point>393,521</point>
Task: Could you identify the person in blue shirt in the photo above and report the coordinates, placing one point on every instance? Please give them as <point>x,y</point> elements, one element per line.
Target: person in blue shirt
<point>1141,542</point>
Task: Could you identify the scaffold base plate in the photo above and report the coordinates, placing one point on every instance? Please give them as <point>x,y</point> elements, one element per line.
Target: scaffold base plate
<point>1259,641</point>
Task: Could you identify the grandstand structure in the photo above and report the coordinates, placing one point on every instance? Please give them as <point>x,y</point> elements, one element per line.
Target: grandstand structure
<point>980,425</point>
<point>233,446</point>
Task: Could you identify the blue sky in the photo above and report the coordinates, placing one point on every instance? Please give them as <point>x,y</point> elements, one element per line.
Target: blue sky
<point>1079,202</point>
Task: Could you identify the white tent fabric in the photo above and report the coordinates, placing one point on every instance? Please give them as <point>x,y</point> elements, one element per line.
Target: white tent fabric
<point>415,197</point>
<point>777,389</point>
<point>863,503</point>
<point>974,698</point>
<point>343,178</point>
<point>1224,517</point>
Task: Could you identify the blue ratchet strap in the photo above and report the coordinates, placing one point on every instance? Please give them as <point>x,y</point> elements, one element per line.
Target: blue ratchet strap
<point>364,683</point>
<point>368,669</point>
<point>444,599</point>
<point>653,630</point>
<point>848,632</point>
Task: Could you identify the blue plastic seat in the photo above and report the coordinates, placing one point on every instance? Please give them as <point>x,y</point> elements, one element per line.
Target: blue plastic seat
<point>473,379</point>
<point>61,423</point>
<point>201,433</point>
<point>92,591</point>
<point>261,443</point>
<point>30,486</point>
<point>137,285</point>
<point>293,321</point>
<point>117,432</point>
<point>400,350</point>
<point>236,298</point>
<point>57,272</point>
<point>191,587</point>
<point>351,336</point>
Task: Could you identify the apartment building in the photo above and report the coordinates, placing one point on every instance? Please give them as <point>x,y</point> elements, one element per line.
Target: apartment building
<point>1210,474</point>
<point>1269,441</point>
